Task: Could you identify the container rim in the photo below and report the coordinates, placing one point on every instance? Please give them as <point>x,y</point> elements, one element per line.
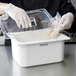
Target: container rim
<point>63,38</point>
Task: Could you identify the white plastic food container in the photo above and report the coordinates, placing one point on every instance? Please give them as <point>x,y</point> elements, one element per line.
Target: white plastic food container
<point>33,47</point>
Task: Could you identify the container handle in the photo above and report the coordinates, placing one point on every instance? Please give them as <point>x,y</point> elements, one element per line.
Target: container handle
<point>44,44</point>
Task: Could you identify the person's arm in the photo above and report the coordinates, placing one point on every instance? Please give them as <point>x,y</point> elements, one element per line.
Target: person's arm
<point>67,7</point>
<point>3,3</point>
<point>3,7</point>
<point>68,16</point>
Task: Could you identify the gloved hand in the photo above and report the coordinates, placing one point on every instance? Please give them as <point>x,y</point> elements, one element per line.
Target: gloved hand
<point>64,23</point>
<point>19,15</point>
<point>60,24</point>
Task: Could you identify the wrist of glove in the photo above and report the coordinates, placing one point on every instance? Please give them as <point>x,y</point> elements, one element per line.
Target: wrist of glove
<point>19,15</point>
<point>3,7</point>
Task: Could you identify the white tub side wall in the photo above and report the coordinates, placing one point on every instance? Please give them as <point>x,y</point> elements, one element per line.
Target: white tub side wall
<point>37,55</point>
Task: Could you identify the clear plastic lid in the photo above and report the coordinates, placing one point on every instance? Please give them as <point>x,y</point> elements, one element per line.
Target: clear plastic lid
<point>40,19</point>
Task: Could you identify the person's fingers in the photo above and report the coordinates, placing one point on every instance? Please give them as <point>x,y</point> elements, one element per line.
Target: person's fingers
<point>18,23</point>
<point>62,20</point>
<point>65,25</point>
<point>29,21</point>
<point>25,22</point>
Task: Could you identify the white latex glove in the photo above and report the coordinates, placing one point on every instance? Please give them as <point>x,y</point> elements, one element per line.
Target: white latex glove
<point>19,15</point>
<point>66,21</point>
<point>60,24</point>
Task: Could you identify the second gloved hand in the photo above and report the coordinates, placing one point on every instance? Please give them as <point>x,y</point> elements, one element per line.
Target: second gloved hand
<point>66,21</point>
<point>19,15</point>
<point>60,24</point>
